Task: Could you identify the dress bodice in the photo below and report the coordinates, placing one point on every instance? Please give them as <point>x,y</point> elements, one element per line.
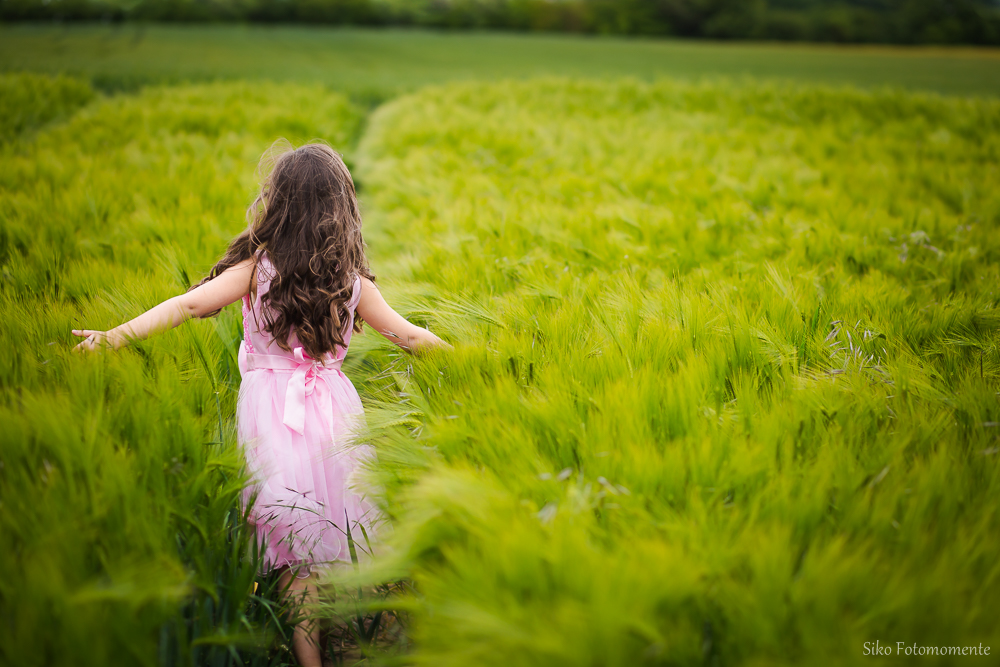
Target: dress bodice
<point>260,352</point>
<point>257,341</point>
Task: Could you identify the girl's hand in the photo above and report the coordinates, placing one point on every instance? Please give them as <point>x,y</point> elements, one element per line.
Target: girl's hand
<point>94,340</point>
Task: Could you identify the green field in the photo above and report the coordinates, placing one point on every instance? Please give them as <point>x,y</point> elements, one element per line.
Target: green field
<point>726,378</point>
<point>726,386</point>
<point>381,63</point>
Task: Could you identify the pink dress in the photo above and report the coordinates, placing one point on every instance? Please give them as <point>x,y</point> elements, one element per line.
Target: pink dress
<point>295,418</point>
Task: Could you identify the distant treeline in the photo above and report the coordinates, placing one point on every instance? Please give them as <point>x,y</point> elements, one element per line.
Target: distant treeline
<point>859,21</point>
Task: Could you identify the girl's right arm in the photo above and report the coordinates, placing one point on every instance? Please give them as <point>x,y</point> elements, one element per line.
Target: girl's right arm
<point>227,287</point>
<point>380,316</point>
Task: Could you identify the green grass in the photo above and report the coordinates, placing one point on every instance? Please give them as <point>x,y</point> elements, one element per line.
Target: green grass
<point>725,386</point>
<point>32,101</point>
<point>379,63</point>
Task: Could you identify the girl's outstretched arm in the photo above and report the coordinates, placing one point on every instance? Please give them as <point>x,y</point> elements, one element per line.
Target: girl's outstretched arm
<point>230,285</point>
<point>380,316</point>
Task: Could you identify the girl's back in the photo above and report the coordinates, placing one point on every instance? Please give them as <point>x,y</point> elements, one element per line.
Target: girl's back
<point>258,340</point>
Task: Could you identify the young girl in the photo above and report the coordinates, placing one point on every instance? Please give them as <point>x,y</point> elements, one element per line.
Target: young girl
<point>301,271</point>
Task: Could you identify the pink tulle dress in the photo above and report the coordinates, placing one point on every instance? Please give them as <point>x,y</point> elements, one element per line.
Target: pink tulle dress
<point>295,418</point>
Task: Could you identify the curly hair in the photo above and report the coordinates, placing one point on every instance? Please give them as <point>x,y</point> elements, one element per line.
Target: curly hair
<point>306,217</point>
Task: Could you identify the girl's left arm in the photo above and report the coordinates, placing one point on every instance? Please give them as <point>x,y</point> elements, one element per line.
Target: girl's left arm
<point>229,286</point>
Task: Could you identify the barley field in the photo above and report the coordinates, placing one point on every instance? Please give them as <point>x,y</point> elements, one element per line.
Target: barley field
<point>726,383</point>
<point>724,388</point>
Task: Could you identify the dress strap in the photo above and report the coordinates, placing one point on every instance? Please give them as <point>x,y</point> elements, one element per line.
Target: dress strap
<point>356,294</point>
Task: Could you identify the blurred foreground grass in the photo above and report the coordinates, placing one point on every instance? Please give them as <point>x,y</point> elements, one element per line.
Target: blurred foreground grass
<point>377,64</point>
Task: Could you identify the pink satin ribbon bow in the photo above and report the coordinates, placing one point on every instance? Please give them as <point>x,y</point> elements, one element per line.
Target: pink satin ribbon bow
<point>300,385</point>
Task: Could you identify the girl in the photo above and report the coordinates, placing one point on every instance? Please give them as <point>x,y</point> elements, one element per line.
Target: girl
<point>301,271</point>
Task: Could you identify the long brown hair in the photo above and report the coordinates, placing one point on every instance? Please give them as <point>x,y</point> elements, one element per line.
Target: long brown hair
<point>307,219</point>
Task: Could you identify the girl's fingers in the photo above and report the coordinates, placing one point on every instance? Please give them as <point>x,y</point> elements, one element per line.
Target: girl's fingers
<point>91,339</point>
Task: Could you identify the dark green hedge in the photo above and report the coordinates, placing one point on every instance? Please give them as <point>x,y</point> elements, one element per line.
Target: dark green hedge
<point>859,21</point>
